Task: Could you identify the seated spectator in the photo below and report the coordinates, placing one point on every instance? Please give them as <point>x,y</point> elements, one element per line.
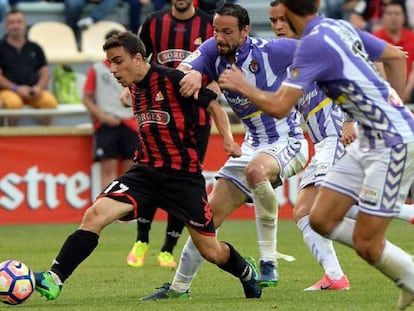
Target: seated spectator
<point>24,73</point>
<point>75,8</point>
<point>393,31</point>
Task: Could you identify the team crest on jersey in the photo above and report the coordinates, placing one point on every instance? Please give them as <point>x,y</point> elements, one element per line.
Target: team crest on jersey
<point>159,97</point>
<point>294,73</point>
<point>254,66</point>
<point>152,116</point>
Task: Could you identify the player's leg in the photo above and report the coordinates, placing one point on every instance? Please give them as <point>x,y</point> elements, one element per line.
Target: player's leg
<point>120,200</point>
<point>80,244</point>
<point>226,257</point>
<point>327,152</point>
<point>268,169</point>
<point>266,213</point>
<point>321,248</point>
<point>369,179</point>
<point>224,198</point>
<point>138,252</point>
<point>173,232</point>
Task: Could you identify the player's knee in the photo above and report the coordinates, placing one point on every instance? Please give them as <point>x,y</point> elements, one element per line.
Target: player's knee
<point>300,211</point>
<point>318,224</point>
<point>255,173</point>
<point>367,249</point>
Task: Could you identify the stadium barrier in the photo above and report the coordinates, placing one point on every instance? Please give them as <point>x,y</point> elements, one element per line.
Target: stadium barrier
<point>47,174</point>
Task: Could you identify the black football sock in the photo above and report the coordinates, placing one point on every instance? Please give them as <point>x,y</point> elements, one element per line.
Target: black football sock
<point>77,247</point>
<point>144,221</point>
<point>236,265</point>
<point>174,229</point>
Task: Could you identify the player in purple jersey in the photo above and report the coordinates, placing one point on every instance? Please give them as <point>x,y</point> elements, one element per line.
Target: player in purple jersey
<point>323,122</point>
<point>272,151</point>
<point>167,167</point>
<point>378,168</point>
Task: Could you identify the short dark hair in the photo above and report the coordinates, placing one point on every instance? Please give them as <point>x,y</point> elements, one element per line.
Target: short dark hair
<point>301,7</point>
<point>129,41</point>
<point>235,10</point>
<point>111,33</point>
<point>274,3</point>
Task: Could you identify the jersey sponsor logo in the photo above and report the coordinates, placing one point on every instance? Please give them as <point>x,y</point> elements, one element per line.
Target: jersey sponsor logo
<point>254,66</point>
<point>172,55</point>
<point>369,195</point>
<point>152,116</point>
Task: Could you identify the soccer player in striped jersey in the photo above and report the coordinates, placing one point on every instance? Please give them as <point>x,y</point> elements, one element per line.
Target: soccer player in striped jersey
<point>378,168</point>
<point>169,36</point>
<point>167,171</point>
<point>272,151</point>
<point>323,122</point>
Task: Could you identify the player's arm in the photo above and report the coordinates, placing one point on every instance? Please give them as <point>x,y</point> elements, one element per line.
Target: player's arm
<point>277,104</point>
<point>395,67</point>
<point>222,122</point>
<point>208,100</point>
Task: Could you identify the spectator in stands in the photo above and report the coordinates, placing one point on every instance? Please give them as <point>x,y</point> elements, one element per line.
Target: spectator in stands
<point>332,8</point>
<point>115,127</point>
<point>366,14</point>
<point>409,6</point>
<point>135,7</point>
<point>3,9</point>
<point>24,73</point>
<point>74,10</point>
<point>394,31</point>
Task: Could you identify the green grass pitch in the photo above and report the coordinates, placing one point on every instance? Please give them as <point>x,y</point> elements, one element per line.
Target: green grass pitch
<point>105,282</point>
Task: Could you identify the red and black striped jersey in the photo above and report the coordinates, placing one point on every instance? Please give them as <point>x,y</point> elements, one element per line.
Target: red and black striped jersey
<point>170,40</point>
<point>166,126</point>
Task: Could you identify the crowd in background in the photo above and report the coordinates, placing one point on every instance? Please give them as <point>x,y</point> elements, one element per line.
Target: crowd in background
<point>391,20</point>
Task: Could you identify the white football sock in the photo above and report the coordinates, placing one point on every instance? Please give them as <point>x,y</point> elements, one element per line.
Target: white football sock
<point>321,248</point>
<point>343,232</point>
<point>406,213</point>
<point>397,265</point>
<point>190,262</point>
<point>266,210</point>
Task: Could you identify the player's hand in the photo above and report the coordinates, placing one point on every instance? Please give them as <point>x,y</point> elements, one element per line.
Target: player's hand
<point>349,132</point>
<point>125,97</point>
<point>232,79</point>
<point>232,148</point>
<point>191,84</point>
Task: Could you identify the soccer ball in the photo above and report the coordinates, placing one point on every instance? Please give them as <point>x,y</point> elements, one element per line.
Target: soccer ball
<point>17,282</point>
